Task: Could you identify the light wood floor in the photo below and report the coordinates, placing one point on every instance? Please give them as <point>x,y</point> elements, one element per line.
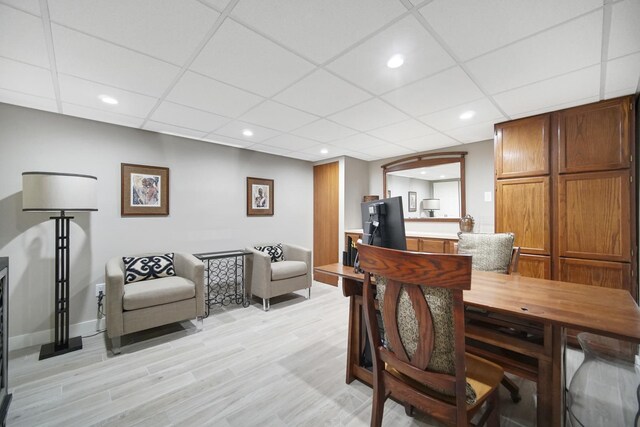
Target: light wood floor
<point>285,367</point>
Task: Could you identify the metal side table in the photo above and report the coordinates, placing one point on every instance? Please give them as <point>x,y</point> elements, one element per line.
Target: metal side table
<point>224,277</point>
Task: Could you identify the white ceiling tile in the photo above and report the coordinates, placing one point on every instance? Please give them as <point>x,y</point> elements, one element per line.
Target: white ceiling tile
<point>179,115</point>
<point>369,115</point>
<point>450,118</point>
<point>22,37</point>
<point>24,78</point>
<point>447,89</point>
<point>290,142</point>
<point>93,59</point>
<point>624,37</point>
<point>473,133</point>
<point>235,128</point>
<point>225,140</point>
<point>210,95</point>
<point>317,29</point>
<point>366,65</point>
<point>322,93</point>
<point>429,142</point>
<point>623,74</point>
<point>29,101</point>
<point>359,142</point>
<point>387,150</point>
<point>165,29</point>
<point>331,151</point>
<point>242,58</point>
<point>269,149</point>
<point>618,93</point>
<point>401,131</point>
<point>82,92</point>
<point>277,116</point>
<point>100,115</point>
<point>218,4</point>
<point>324,131</point>
<point>546,94</point>
<point>575,103</point>
<point>31,6</point>
<point>569,47</point>
<point>173,130</point>
<point>471,28</point>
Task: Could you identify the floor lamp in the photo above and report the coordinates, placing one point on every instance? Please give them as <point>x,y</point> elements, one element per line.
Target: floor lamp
<point>60,192</point>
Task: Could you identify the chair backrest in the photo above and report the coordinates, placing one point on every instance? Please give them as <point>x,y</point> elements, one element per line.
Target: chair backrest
<point>491,251</point>
<point>420,298</point>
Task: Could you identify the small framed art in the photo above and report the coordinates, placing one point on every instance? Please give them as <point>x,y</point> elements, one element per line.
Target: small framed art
<point>144,190</point>
<point>259,197</point>
<point>413,201</point>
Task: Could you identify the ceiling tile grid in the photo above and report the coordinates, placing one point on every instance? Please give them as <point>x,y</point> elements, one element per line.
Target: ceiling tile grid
<point>304,76</point>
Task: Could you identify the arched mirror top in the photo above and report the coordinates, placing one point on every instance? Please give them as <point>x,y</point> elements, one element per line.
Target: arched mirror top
<point>431,185</point>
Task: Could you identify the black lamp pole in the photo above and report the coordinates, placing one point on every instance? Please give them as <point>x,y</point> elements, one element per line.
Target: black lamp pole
<point>62,343</point>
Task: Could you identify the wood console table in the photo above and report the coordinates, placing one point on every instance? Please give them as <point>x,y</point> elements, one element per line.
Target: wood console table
<point>550,304</point>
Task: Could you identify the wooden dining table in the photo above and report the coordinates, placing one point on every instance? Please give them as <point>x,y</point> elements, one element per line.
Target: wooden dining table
<point>518,322</point>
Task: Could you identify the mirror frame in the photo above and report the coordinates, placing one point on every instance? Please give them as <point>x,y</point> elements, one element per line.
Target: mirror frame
<point>429,159</point>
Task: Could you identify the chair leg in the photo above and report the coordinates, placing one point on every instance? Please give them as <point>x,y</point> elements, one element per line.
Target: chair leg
<point>377,407</point>
<point>494,416</point>
<point>309,295</point>
<point>265,304</point>
<point>408,409</point>
<point>115,345</point>
<point>199,323</point>
<point>513,389</point>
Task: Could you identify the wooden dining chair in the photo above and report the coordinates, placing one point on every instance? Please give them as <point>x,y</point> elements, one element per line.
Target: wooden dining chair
<point>421,360</point>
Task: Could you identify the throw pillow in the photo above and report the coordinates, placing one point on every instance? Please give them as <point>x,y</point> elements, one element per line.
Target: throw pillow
<point>274,251</point>
<point>490,252</point>
<point>141,268</point>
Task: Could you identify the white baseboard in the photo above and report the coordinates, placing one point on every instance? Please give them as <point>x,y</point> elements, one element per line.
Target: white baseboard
<point>43,337</point>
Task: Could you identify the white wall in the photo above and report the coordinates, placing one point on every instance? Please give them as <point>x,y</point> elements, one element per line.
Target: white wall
<point>479,178</point>
<point>356,186</point>
<point>207,203</point>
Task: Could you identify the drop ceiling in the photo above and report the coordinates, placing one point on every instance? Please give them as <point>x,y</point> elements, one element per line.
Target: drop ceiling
<point>309,78</point>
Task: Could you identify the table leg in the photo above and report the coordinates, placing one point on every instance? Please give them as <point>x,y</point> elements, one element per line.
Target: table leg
<point>352,340</point>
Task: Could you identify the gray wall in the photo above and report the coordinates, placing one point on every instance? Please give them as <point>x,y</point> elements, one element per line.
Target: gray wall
<point>355,187</point>
<point>208,205</point>
<point>479,178</point>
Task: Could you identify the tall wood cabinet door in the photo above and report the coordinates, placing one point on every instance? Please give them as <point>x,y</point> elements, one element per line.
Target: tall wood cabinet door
<point>595,137</point>
<point>594,216</point>
<point>605,274</point>
<point>522,147</point>
<point>325,218</point>
<point>522,207</point>
<point>537,266</point>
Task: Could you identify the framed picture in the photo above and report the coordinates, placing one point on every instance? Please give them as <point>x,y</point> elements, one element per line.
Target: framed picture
<point>413,201</point>
<point>259,197</point>
<point>144,190</point>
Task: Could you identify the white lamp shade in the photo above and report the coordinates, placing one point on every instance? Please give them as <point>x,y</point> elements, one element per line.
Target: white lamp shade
<point>52,191</point>
<point>431,204</point>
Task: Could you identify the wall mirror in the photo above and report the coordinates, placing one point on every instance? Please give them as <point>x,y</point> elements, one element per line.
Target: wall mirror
<point>431,185</point>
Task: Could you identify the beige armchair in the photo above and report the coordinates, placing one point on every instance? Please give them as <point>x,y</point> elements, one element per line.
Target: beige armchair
<point>146,304</point>
<point>266,279</point>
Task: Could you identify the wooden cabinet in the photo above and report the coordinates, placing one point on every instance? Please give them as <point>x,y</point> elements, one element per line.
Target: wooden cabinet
<point>416,243</point>
<point>594,215</point>
<point>437,246</point>
<point>413,244</point>
<point>535,266</point>
<point>522,207</point>
<point>570,194</point>
<point>522,147</point>
<point>595,137</point>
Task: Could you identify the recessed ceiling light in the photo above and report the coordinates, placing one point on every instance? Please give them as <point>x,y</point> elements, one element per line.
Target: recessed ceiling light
<point>108,99</point>
<point>395,61</point>
<point>423,173</point>
<point>247,132</point>
<point>441,176</point>
<point>324,151</point>
<point>467,115</point>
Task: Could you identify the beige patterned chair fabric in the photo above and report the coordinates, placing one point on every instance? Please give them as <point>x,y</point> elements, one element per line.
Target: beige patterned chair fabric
<point>441,305</point>
<point>490,251</point>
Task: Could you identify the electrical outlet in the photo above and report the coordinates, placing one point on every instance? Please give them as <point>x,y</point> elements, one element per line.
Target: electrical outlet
<point>487,196</point>
<point>99,288</point>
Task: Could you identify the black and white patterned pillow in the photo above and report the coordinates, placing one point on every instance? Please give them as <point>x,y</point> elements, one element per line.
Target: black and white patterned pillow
<point>274,251</point>
<point>141,268</point>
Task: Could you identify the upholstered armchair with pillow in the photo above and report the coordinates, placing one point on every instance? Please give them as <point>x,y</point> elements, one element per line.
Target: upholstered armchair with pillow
<point>152,290</point>
<point>275,270</point>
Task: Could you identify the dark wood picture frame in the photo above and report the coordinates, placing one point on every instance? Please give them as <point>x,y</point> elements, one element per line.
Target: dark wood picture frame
<point>412,203</point>
<point>259,203</point>
<point>157,189</point>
